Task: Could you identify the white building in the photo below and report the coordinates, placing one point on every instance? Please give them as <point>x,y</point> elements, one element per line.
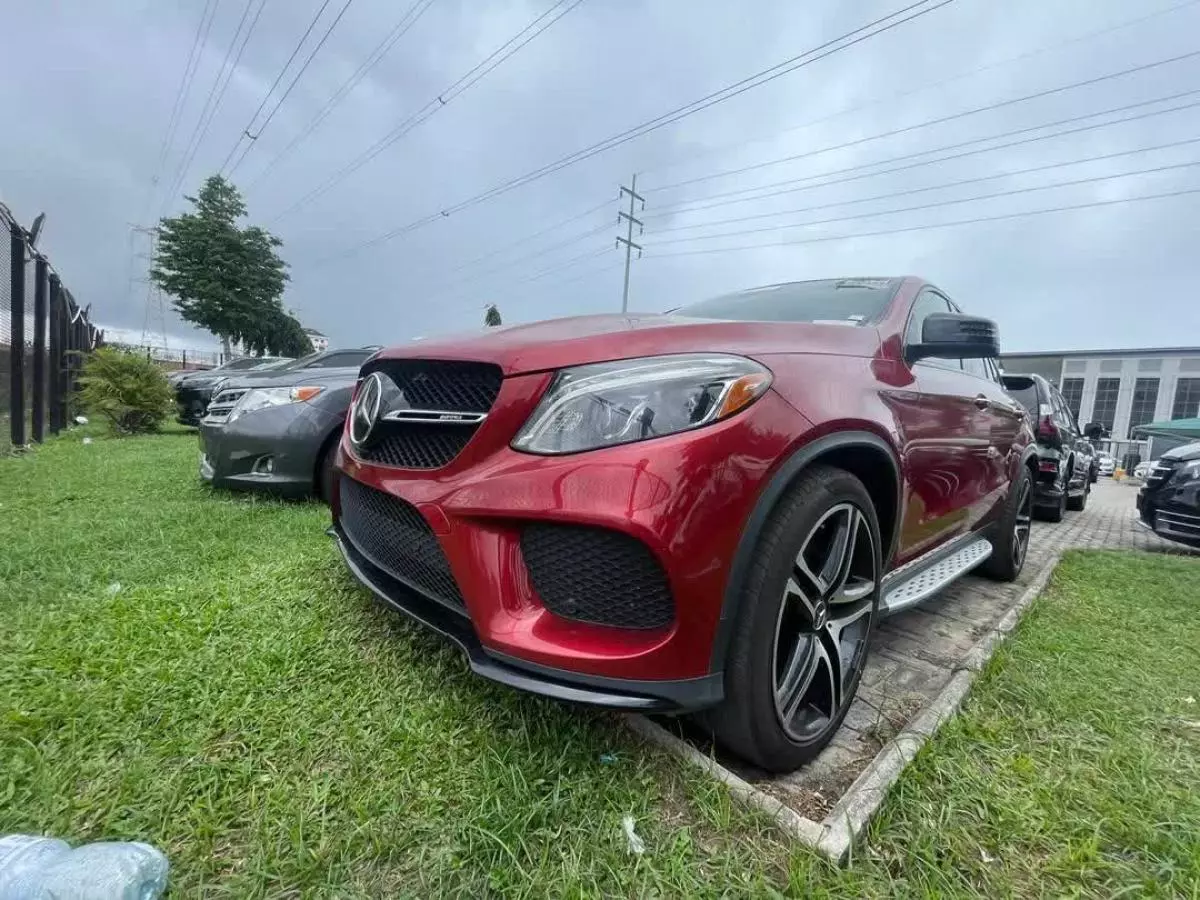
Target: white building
<point>1120,388</point>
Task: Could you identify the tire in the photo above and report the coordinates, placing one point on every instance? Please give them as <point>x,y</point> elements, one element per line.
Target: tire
<point>1010,535</point>
<point>1079,504</point>
<point>324,480</point>
<point>800,640</point>
<point>1054,513</point>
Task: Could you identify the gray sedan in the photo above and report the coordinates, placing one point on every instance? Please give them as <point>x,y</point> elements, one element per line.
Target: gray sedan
<point>279,433</point>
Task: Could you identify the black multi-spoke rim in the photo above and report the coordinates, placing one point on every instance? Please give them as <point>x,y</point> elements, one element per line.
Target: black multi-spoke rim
<point>824,622</point>
<point>1021,526</point>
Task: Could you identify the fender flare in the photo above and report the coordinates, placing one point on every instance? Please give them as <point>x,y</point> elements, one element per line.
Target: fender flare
<point>768,497</point>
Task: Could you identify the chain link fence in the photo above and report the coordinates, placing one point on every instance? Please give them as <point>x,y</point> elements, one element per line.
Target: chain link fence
<point>43,332</point>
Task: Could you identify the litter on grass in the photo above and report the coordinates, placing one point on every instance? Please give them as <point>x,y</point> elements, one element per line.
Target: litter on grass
<point>33,867</point>
<point>636,845</point>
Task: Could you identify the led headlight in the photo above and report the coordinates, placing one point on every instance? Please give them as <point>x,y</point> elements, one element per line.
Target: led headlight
<point>262,398</point>
<point>634,399</point>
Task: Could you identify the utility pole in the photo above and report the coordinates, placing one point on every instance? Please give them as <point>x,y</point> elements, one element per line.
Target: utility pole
<point>630,221</point>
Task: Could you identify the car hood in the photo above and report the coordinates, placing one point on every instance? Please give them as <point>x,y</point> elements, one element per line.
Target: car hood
<point>1186,452</point>
<point>325,377</point>
<point>556,343</point>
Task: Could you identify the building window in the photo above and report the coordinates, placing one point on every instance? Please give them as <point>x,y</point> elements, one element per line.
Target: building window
<point>1187,399</point>
<point>1072,391</point>
<point>1104,410</point>
<point>1145,397</point>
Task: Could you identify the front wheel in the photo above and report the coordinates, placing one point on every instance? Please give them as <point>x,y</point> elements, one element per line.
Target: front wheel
<point>804,623</point>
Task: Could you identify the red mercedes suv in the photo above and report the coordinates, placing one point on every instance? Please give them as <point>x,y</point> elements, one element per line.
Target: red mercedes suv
<point>708,509</point>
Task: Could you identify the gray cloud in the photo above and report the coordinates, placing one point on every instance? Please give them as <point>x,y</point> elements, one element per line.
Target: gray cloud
<point>89,128</point>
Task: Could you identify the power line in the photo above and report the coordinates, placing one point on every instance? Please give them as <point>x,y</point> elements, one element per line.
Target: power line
<point>1058,45</point>
<point>275,83</point>
<point>935,187</point>
<point>737,195</point>
<point>575,239</point>
<point>253,138</point>
<point>924,206</point>
<point>479,71</point>
<point>1000,104</point>
<point>376,56</point>
<point>185,86</point>
<point>927,226</point>
<point>828,48</point>
<point>215,95</point>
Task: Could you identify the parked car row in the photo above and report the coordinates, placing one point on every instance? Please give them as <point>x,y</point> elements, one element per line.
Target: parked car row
<point>704,512</point>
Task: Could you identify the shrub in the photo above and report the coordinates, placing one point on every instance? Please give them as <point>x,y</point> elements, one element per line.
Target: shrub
<point>129,390</point>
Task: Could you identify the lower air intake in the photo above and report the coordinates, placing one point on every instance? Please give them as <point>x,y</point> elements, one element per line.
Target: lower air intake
<point>597,576</point>
<point>394,536</point>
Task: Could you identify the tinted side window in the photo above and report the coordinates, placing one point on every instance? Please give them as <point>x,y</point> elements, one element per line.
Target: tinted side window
<point>928,302</point>
<point>1061,412</point>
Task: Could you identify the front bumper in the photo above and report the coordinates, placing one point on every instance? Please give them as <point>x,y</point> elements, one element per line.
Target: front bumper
<point>271,450</point>
<point>1172,512</point>
<point>684,497</point>
<point>611,693</point>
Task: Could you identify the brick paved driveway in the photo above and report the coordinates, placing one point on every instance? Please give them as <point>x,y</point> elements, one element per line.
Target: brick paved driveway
<point>916,652</point>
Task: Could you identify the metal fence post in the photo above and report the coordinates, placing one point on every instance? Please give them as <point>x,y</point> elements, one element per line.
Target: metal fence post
<point>56,355</point>
<point>39,350</point>
<point>16,403</point>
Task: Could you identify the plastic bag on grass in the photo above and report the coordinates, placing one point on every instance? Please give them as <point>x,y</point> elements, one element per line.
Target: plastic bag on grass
<point>41,868</point>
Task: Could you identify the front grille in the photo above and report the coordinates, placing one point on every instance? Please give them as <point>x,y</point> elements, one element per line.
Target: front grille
<point>598,576</point>
<point>1179,523</point>
<point>434,386</point>
<point>396,538</point>
<point>1161,471</point>
<point>222,405</point>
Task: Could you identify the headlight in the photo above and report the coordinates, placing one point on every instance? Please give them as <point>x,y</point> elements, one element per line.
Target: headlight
<point>634,399</point>
<point>1188,471</point>
<point>262,398</point>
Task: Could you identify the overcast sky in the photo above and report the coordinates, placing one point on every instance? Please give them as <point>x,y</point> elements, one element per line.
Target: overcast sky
<point>89,87</point>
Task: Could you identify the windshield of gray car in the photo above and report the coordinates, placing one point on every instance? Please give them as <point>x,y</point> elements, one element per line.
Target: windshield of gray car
<point>850,301</point>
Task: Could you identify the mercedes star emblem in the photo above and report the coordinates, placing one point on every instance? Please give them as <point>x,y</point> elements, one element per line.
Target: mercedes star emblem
<point>365,412</point>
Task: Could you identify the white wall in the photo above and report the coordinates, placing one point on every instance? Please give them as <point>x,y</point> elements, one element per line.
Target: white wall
<point>1168,370</point>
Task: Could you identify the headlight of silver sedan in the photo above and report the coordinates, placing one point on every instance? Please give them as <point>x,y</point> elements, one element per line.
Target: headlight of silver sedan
<point>263,398</point>
<point>612,403</point>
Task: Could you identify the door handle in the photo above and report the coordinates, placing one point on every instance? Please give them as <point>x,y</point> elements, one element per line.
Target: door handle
<point>982,401</point>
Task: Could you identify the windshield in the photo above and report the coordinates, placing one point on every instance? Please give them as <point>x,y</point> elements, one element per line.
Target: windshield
<point>850,301</point>
<point>242,362</point>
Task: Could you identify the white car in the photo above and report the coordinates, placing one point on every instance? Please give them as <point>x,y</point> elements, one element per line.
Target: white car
<point>1143,468</point>
<point>1105,464</point>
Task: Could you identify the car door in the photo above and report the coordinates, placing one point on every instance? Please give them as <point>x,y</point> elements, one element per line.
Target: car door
<point>945,438</point>
<point>1072,440</point>
<point>1003,418</point>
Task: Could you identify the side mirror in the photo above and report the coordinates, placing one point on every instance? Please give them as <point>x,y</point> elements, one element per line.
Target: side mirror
<point>955,336</point>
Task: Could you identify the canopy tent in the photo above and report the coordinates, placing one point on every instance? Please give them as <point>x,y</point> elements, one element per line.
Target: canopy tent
<point>1167,434</point>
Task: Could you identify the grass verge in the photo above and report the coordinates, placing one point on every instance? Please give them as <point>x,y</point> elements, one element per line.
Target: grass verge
<point>196,670</point>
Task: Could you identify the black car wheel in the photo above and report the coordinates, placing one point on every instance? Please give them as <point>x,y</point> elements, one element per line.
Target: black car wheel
<point>1078,503</point>
<point>1010,536</point>
<point>804,624</point>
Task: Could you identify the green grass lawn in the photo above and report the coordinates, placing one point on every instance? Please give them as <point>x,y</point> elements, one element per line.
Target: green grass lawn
<point>241,703</point>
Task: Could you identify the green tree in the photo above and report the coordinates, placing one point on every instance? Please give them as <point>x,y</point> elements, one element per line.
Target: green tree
<point>491,318</point>
<point>283,335</point>
<point>221,276</point>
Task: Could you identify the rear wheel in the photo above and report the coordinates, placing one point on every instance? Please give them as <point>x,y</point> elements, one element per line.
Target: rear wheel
<point>1079,503</point>
<point>1054,513</point>
<point>324,483</point>
<point>804,624</point>
<point>1010,535</point>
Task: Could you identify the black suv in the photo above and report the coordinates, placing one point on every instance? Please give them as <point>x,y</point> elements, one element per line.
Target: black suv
<point>1066,461</point>
<point>1169,501</point>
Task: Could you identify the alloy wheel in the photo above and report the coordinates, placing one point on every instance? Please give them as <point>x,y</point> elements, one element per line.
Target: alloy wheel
<point>824,621</point>
<point>1022,523</point>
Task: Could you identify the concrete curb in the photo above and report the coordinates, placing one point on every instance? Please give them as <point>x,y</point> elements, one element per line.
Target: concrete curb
<point>836,834</point>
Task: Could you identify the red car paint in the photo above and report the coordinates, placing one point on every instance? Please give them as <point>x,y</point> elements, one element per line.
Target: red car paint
<point>687,496</point>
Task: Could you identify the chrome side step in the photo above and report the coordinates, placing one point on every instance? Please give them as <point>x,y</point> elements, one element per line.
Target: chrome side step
<point>919,581</point>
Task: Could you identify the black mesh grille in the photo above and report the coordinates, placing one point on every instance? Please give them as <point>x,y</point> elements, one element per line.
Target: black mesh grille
<point>425,384</point>
<point>596,575</point>
<point>395,537</point>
